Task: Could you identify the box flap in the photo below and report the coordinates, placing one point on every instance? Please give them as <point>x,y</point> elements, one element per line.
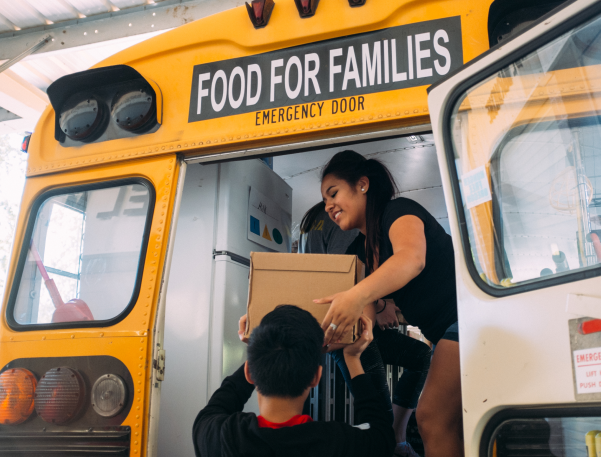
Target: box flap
<point>302,262</point>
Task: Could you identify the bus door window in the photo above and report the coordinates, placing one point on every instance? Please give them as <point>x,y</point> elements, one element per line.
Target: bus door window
<point>83,256</point>
<point>527,145</point>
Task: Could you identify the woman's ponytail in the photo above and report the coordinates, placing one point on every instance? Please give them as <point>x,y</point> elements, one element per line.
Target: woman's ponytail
<point>350,167</point>
<point>308,219</point>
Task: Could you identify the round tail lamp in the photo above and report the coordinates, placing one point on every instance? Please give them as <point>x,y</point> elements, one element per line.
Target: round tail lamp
<point>85,120</point>
<point>109,395</point>
<point>60,395</point>
<point>135,111</point>
<point>17,389</point>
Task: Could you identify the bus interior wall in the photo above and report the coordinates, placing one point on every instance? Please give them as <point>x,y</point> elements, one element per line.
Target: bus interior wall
<point>208,290</point>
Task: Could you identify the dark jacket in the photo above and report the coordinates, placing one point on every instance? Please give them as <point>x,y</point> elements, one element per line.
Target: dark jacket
<point>221,429</point>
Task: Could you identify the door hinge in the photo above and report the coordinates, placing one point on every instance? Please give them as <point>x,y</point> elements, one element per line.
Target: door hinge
<point>159,365</point>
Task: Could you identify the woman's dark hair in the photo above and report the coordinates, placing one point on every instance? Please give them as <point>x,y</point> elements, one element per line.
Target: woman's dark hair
<point>350,166</point>
<point>310,216</point>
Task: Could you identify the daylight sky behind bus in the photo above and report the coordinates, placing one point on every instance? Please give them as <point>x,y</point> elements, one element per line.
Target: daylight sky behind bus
<point>12,178</point>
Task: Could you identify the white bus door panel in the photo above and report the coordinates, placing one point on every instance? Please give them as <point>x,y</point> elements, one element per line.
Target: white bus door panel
<point>188,314</point>
<point>524,219</point>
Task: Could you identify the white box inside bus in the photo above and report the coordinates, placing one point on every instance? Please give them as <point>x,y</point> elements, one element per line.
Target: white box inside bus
<point>208,284</point>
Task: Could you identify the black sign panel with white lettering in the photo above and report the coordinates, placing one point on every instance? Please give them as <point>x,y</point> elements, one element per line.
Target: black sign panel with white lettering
<point>395,58</point>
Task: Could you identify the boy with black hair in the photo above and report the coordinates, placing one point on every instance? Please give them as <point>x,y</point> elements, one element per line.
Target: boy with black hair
<point>283,363</point>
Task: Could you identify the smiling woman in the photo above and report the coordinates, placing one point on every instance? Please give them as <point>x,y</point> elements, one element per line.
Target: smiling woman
<point>12,177</point>
<point>406,253</point>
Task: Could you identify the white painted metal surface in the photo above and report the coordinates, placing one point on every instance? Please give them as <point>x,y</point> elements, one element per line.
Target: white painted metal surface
<point>23,100</point>
<point>514,350</point>
<point>207,295</point>
<point>188,312</point>
<point>158,333</point>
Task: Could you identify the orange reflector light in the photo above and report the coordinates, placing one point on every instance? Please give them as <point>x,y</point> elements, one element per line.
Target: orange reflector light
<point>60,395</point>
<point>17,389</point>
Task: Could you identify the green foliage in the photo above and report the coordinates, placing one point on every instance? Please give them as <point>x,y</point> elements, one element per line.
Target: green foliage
<point>13,163</point>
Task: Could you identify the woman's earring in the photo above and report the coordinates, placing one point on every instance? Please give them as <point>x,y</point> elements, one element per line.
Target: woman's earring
<point>362,189</point>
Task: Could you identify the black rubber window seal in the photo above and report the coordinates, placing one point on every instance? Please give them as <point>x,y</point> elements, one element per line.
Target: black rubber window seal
<point>532,412</point>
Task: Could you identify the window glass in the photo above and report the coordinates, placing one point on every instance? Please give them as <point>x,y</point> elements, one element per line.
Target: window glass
<point>527,145</point>
<point>83,255</point>
<point>547,437</point>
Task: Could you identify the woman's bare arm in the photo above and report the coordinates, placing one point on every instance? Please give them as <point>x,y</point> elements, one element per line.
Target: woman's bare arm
<point>409,259</point>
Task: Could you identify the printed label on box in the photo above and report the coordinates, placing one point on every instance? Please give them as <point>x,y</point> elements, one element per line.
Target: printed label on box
<point>268,223</point>
<point>587,370</point>
<point>476,189</point>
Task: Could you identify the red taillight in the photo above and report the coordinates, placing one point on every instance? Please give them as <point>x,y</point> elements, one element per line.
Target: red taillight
<point>60,395</point>
<point>306,8</point>
<point>260,12</point>
<point>17,389</point>
<point>258,9</point>
<point>25,143</point>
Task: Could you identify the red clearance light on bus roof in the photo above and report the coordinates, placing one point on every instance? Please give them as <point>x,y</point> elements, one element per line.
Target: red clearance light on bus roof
<point>17,389</point>
<point>60,395</point>
<point>354,3</point>
<point>25,143</point>
<point>306,8</point>
<point>260,12</point>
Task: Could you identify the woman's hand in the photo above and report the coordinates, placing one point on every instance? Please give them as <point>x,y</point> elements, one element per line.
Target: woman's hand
<point>242,329</point>
<point>387,318</point>
<point>345,310</point>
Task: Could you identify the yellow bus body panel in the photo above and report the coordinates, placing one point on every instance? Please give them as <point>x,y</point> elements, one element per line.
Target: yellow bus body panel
<point>168,61</point>
<point>127,340</point>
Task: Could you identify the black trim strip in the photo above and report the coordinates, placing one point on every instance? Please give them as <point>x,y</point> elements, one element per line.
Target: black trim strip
<point>573,410</point>
<point>106,442</point>
<point>456,93</point>
<point>499,45</point>
<point>233,256</point>
<point>24,249</point>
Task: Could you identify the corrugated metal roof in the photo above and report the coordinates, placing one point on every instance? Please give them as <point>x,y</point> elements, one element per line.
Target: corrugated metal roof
<point>81,33</point>
<point>23,14</point>
<point>42,69</point>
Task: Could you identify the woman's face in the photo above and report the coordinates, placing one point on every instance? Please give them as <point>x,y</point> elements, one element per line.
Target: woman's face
<point>345,203</point>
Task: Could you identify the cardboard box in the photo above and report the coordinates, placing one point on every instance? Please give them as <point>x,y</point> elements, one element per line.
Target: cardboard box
<point>297,279</point>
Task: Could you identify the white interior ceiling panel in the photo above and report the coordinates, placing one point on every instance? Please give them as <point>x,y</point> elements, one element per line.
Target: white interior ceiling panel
<point>21,14</point>
<point>90,7</point>
<point>56,10</point>
<point>128,3</point>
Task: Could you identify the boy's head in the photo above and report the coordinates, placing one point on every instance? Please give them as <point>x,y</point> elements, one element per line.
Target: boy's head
<point>284,352</point>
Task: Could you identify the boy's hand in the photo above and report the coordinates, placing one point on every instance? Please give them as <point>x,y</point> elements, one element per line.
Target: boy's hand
<point>242,329</point>
<point>354,350</point>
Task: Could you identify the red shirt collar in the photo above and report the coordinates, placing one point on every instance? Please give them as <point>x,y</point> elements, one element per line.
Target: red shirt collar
<point>296,420</point>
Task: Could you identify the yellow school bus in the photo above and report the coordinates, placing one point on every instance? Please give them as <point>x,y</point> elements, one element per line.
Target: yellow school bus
<point>116,328</point>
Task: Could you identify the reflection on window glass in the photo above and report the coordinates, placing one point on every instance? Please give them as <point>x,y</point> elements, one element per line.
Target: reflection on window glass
<point>547,437</point>
<point>83,255</point>
<point>527,143</point>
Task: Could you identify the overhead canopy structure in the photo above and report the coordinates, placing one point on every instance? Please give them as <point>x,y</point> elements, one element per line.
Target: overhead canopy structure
<point>43,40</point>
